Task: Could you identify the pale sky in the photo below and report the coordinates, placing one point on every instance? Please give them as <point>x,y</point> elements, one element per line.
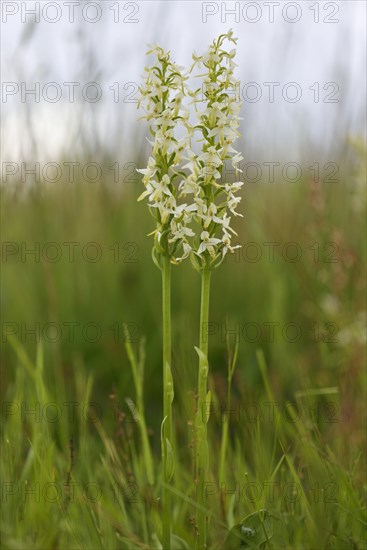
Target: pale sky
<point>311,50</point>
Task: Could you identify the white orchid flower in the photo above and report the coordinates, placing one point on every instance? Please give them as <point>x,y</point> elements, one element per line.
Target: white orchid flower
<point>208,243</point>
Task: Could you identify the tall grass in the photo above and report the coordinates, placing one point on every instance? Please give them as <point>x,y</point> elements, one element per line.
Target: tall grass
<point>91,479</point>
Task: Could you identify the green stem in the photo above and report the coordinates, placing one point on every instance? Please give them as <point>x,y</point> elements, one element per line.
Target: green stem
<point>201,433</point>
<point>225,418</point>
<point>167,399</point>
<point>223,448</point>
<point>138,376</point>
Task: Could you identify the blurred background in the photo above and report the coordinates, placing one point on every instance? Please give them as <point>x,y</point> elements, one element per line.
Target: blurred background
<point>75,252</point>
<point>301,67</point>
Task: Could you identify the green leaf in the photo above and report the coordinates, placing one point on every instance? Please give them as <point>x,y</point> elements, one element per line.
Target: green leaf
<point>156,257</point>
<point>177,543</point>
<point>22,355</point>
<point>157,243</point>
<point>170,462</point>
<point>196,263</point>
<point>253,531</point>
<point>207,406</point>
<point>202,357</point>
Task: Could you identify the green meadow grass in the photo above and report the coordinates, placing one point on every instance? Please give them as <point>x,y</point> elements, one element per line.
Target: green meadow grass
<point>83,469</point>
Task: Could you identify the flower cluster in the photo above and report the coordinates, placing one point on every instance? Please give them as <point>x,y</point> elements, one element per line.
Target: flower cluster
<point>200,226</point>
<point>217,108</point>
<point>162,96</point>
